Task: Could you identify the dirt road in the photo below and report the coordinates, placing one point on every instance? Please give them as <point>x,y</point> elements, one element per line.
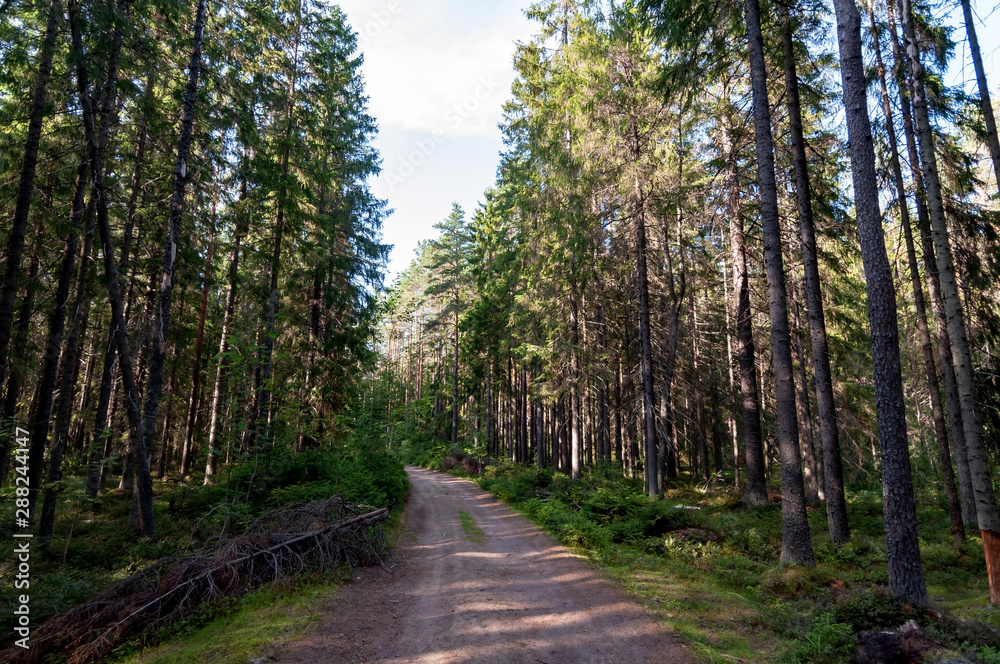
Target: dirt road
<point>509,594</point>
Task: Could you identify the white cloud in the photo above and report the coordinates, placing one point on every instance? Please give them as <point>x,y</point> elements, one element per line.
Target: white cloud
<point>437,65</point>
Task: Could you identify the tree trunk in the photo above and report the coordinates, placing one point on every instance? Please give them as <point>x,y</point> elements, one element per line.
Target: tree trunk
<point>796,547</point>
<point>810,466</point>
<point>161,324</point>
<point>982,484</point>
<point>222,369</point>
<point>653,486</point>
<point>984,91</point>
<point>26,183</point>
<point>953,403</point>
<point>14,382</point>
<point>833,474</point>
<point>67,373</point>
<point>41,407</point>
<point>753,446</point>
<point>195,396</point>
<point>923,331</point>
<point>902,547</point>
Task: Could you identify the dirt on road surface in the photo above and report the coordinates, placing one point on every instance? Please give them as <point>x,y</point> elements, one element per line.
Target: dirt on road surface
<point>508,594</point>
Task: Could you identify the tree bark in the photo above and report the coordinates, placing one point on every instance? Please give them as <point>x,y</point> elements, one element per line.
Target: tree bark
<point>14,382</point>
<point>195,396</point>
<point>653,486</point>
<point>41,407</point>
<point>753,446</point>
<point>923,331</point>
<point>796,546</point>
<point>982,484</point>
<point>985,104</point>
<point>222,369</point>
<point>161,319</point>
<point>833,473</point>
<point>953,403</point>
<point>902,547</point>
<point>26,183</point>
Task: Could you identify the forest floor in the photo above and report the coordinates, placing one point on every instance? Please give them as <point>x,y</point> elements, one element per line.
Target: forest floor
<point>474,581</point>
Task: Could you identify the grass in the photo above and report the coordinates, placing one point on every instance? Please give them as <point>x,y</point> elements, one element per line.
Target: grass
<point>258,627</point>
<point>472,531</point>
<point>709,567</point>
<point>93,547</point>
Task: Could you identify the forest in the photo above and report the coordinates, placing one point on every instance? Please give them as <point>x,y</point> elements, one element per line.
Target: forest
<point>739,255</point>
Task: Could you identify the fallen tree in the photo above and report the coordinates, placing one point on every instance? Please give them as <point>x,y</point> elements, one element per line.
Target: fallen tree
<point>278,545</point>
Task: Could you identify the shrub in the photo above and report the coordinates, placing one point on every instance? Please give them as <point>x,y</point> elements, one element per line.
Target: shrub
<point>870,609</point>
<point>827,641</point>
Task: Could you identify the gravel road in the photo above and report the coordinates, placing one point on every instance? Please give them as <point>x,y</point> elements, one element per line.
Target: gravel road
<point>510,595</point>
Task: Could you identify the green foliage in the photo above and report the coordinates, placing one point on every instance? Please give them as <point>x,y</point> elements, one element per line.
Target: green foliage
<point>871,609</point>
<point>713,572</point>
<point>235,632</point>
<point>827,641</point>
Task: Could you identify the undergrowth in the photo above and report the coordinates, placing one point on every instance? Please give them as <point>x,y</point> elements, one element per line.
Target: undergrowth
<point>709,566</point>
<point>93,547</point>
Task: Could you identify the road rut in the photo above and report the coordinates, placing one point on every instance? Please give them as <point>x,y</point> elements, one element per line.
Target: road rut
<point>514,596</point>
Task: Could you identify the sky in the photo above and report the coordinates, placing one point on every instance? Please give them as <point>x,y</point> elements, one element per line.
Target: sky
<point>437,73</point>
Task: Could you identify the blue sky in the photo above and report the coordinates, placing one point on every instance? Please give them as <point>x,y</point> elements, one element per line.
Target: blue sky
<point>437,73</point>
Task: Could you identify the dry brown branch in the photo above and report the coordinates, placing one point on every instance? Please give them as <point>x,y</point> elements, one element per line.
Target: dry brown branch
<point>278,545</point>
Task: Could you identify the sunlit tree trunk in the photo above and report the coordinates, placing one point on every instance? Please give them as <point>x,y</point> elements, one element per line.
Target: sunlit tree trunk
<point>902,547</point>
<point>982,484</point>
<point>923,331</point>
<point>985,104</point>
<point>833,474</point>
<point>796,546</point>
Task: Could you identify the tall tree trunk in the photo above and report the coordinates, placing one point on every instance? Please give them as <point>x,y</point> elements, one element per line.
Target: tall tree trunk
<point>81,299</point>
<point>985,104</point>
<point>753,446</point>
<point>195,396</point>
<point>222,369</point>
<point>574,379</point>
<point>454,381</point>
<point>26,183</point>
<point>923,331</point>
<point>653,486</point>
<point>982,484</point>
<point>131,397</point>
<point>902,547</point>
<point>14,382</point>
<point>101,434</point>
<point>833,473</point>
<point>804,410</point>
<point>953,404</point>
<point>796,546</point>
<point>41,407</point>
<point>67,373</point>
<point>161,319</point>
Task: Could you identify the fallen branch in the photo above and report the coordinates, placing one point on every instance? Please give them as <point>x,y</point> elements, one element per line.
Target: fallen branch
<point>277,545</point>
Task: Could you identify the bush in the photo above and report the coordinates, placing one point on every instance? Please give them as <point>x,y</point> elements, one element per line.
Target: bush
<point>827,641</point>
<point>870,609</point>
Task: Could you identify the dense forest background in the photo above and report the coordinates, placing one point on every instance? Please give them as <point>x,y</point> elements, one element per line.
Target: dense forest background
<point>690,269</point>
<point>724,251</point>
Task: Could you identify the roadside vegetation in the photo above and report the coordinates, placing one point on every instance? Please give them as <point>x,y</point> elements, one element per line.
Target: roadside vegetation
<point>708,566</point>
<point>92,550</point>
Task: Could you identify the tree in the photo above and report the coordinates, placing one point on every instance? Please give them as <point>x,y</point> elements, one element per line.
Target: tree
<point>796,546</point>
<point>902,547</point>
